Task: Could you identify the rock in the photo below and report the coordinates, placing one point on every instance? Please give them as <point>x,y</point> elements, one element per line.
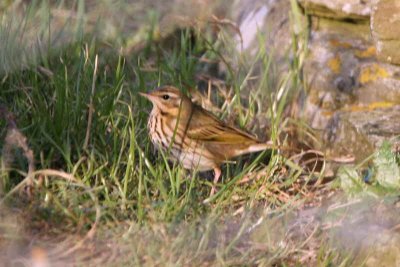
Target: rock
<point>342,139</point>
<point>129,21</point>
<point>264,25</point>
<point>377,124</point>
<point>383,248</point>
<point>269,19</point>
<point>357,133</point>
<point>385,29</point>
<point>359,30</point>
<point>351,96</point>
<point>339,9</point>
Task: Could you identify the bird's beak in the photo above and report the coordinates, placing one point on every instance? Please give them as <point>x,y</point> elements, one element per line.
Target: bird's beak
<point>144,94</point>
<point>147,95</point>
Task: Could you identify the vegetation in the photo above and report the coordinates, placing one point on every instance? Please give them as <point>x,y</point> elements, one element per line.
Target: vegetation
<point>80,178</point>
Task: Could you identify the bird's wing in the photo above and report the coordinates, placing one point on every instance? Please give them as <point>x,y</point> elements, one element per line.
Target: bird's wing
<point>204,126</point>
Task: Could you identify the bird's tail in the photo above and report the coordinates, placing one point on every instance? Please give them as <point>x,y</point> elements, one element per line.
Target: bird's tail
<point>260,147</point>
<point>256,148</point>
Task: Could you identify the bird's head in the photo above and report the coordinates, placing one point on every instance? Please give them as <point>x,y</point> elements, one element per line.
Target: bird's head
<point>169,100</point>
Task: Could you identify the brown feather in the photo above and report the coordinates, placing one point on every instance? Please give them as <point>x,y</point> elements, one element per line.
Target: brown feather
<point>201,140</point>
<point>204,126</point>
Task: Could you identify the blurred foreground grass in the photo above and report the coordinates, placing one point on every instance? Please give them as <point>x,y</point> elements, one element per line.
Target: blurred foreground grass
<point>101,195</point>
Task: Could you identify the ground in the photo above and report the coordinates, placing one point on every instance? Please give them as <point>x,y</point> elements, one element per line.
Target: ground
<point>81,183</point>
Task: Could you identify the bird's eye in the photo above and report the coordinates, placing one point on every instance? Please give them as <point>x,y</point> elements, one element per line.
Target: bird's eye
<point>165,97</point>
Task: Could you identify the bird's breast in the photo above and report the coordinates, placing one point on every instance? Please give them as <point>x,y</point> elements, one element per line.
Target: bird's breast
<point>166,135</point>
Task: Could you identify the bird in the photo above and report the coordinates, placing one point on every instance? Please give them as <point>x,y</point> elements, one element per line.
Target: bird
<point>193,136</point>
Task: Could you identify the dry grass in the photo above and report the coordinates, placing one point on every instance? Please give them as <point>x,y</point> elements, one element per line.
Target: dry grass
<point>72,129</point>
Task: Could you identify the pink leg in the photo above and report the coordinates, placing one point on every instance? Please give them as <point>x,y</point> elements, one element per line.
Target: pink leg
<point>217,174</point>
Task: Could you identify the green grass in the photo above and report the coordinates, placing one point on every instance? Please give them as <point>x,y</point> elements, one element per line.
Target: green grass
<point>117,159</point>
<point>98,180</point>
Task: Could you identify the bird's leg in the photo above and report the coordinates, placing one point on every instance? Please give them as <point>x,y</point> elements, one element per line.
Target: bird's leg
<point>217,174</point>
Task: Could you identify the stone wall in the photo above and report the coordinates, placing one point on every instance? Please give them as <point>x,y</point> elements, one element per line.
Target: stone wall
<point>352,80</point>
